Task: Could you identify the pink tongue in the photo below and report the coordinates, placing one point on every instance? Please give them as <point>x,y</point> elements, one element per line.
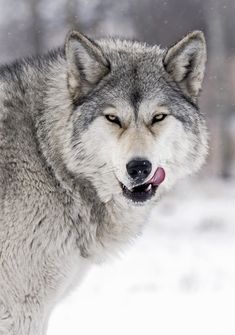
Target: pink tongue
<point>158,177</point>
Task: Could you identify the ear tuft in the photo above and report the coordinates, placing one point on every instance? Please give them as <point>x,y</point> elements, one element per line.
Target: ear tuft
<point>185,62</point>
<point>86,63</point>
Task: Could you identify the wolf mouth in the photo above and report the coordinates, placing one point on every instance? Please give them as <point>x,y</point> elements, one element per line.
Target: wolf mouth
<point>146,191</point>
<point>139,193</point>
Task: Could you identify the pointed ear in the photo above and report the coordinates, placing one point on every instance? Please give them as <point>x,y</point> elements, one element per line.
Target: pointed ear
<point>86,64</point>
<point>185,62</point>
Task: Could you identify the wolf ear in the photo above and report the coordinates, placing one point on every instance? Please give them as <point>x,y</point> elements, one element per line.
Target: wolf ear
<point>185,62</point>
<point>86,64</point>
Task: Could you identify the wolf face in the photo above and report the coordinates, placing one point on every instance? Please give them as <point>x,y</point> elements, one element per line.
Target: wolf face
<point>136,126</point>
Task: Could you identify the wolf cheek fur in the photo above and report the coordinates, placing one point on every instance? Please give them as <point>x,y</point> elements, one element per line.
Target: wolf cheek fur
<point>70,124</point>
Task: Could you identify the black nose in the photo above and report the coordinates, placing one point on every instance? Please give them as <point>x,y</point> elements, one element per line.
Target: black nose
<point>139,169</point>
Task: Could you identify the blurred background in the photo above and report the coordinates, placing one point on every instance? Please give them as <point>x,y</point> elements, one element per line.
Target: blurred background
<point>179,277</point>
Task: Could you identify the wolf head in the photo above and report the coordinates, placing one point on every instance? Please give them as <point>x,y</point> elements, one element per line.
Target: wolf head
<point>135,126</point>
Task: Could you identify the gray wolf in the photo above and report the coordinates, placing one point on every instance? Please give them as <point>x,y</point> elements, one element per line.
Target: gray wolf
<point>91,135</point>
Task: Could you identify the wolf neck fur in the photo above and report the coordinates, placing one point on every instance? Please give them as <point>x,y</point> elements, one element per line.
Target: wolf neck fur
<point>108,223</point>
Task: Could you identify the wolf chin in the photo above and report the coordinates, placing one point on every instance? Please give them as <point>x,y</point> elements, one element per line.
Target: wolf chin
<point>91,135</point>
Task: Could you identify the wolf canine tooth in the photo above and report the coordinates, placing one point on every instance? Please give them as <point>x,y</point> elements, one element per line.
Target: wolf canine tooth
<point>149,187</point>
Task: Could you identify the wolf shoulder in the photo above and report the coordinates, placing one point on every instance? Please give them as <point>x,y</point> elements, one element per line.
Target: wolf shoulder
<point>20,164</point>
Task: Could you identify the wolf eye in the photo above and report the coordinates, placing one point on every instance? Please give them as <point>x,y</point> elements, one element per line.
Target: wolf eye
<point>113,119</point>
<point>158,118</point>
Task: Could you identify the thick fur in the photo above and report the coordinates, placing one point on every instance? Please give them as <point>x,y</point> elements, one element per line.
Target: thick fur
<point>62,161</point>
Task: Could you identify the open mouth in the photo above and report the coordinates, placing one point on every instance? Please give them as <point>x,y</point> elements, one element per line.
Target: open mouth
<point>139,193</point>
<point>146,191</point>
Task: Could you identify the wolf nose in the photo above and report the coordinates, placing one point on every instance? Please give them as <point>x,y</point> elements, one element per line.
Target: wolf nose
<point>139,169</point>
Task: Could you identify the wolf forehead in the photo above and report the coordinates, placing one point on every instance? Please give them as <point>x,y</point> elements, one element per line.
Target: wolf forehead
<point>132,57</point>
<point>136,74</point>
<point>135,67</point>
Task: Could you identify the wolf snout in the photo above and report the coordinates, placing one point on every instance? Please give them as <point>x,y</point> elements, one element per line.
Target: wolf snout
<point>139,169</point>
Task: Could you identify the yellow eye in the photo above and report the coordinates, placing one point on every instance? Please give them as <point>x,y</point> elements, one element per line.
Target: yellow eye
<point>113,119</point>
<point>158,118</point>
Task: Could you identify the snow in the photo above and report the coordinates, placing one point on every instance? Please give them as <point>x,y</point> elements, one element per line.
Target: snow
<point>178,278</point>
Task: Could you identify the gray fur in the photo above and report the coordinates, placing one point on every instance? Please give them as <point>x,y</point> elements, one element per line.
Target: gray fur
<point>61,161</point>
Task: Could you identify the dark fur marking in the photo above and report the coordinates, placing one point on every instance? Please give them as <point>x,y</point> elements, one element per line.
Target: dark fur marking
<point>8,103</point>
<point>135,101</point>
<point>39,224</point>
<point>31,244</point>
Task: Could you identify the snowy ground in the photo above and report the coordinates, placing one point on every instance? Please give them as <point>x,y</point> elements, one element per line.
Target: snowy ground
<point>179,278</point>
